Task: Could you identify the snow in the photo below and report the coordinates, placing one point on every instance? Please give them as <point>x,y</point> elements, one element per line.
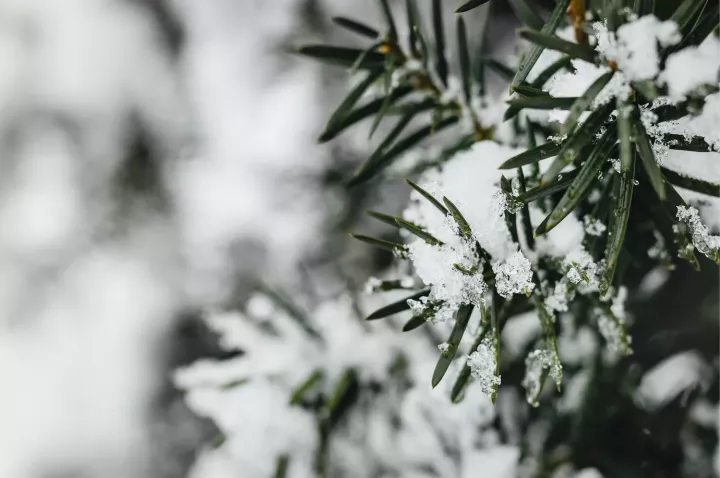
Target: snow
<point>561,295</point>
<point>513,276</point>
<point>483,364</point>
<point>256,435</point>
<point>634,47</point>
<point>612,333</point>
<point>581,270</point>
<point>434,265</point>
<point>274,364</point>
<point>577,347</point>
<point>562,239</point>
<point>594,227</point>
<point>569,84</point>
<point>653,281</point>
<point>703,241</point>
<point>476,200</point>
<point>703,61</point>
<point>473,198</point>
<point>574,392</point>
<point>669,378</point>
<point>705,124</point>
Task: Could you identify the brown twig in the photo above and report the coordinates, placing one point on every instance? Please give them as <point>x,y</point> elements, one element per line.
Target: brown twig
<point>577,13</point>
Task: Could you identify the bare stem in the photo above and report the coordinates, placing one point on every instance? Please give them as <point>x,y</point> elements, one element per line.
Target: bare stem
<point>577,13</point>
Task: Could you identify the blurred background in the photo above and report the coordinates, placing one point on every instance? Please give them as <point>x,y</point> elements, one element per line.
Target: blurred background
<point>159,159</point>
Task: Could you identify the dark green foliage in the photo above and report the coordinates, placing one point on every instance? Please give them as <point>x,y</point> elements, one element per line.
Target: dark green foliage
<point>637,205</point>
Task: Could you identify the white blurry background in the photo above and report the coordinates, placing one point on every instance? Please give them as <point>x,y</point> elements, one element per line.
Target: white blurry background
<point>93,276</point>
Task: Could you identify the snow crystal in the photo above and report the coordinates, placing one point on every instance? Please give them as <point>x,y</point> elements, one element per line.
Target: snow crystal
<point>582,270</point>
<point>701,237</point>
<point>703,61</point>
<point>513,276</point>
<point>417,307</point>
<point>558,301</point>
<point>574,276</point>
<point>594,227</point>
<point>502,201</point>
<point>612,332</point>
<point>444,348</point>
<point>634,47</point>
<point>483,364</point>
<point>434,264</point>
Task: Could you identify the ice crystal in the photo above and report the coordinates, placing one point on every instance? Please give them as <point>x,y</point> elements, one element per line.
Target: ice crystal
<point>594,227</point>
<point>483,366</point>
<point>536,364</point>
<point>701,237</point>
<point>444,348</point>
<point>513,276</point>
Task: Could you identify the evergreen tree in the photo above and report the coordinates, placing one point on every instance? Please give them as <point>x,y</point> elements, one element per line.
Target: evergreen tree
<point>553,248</point>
